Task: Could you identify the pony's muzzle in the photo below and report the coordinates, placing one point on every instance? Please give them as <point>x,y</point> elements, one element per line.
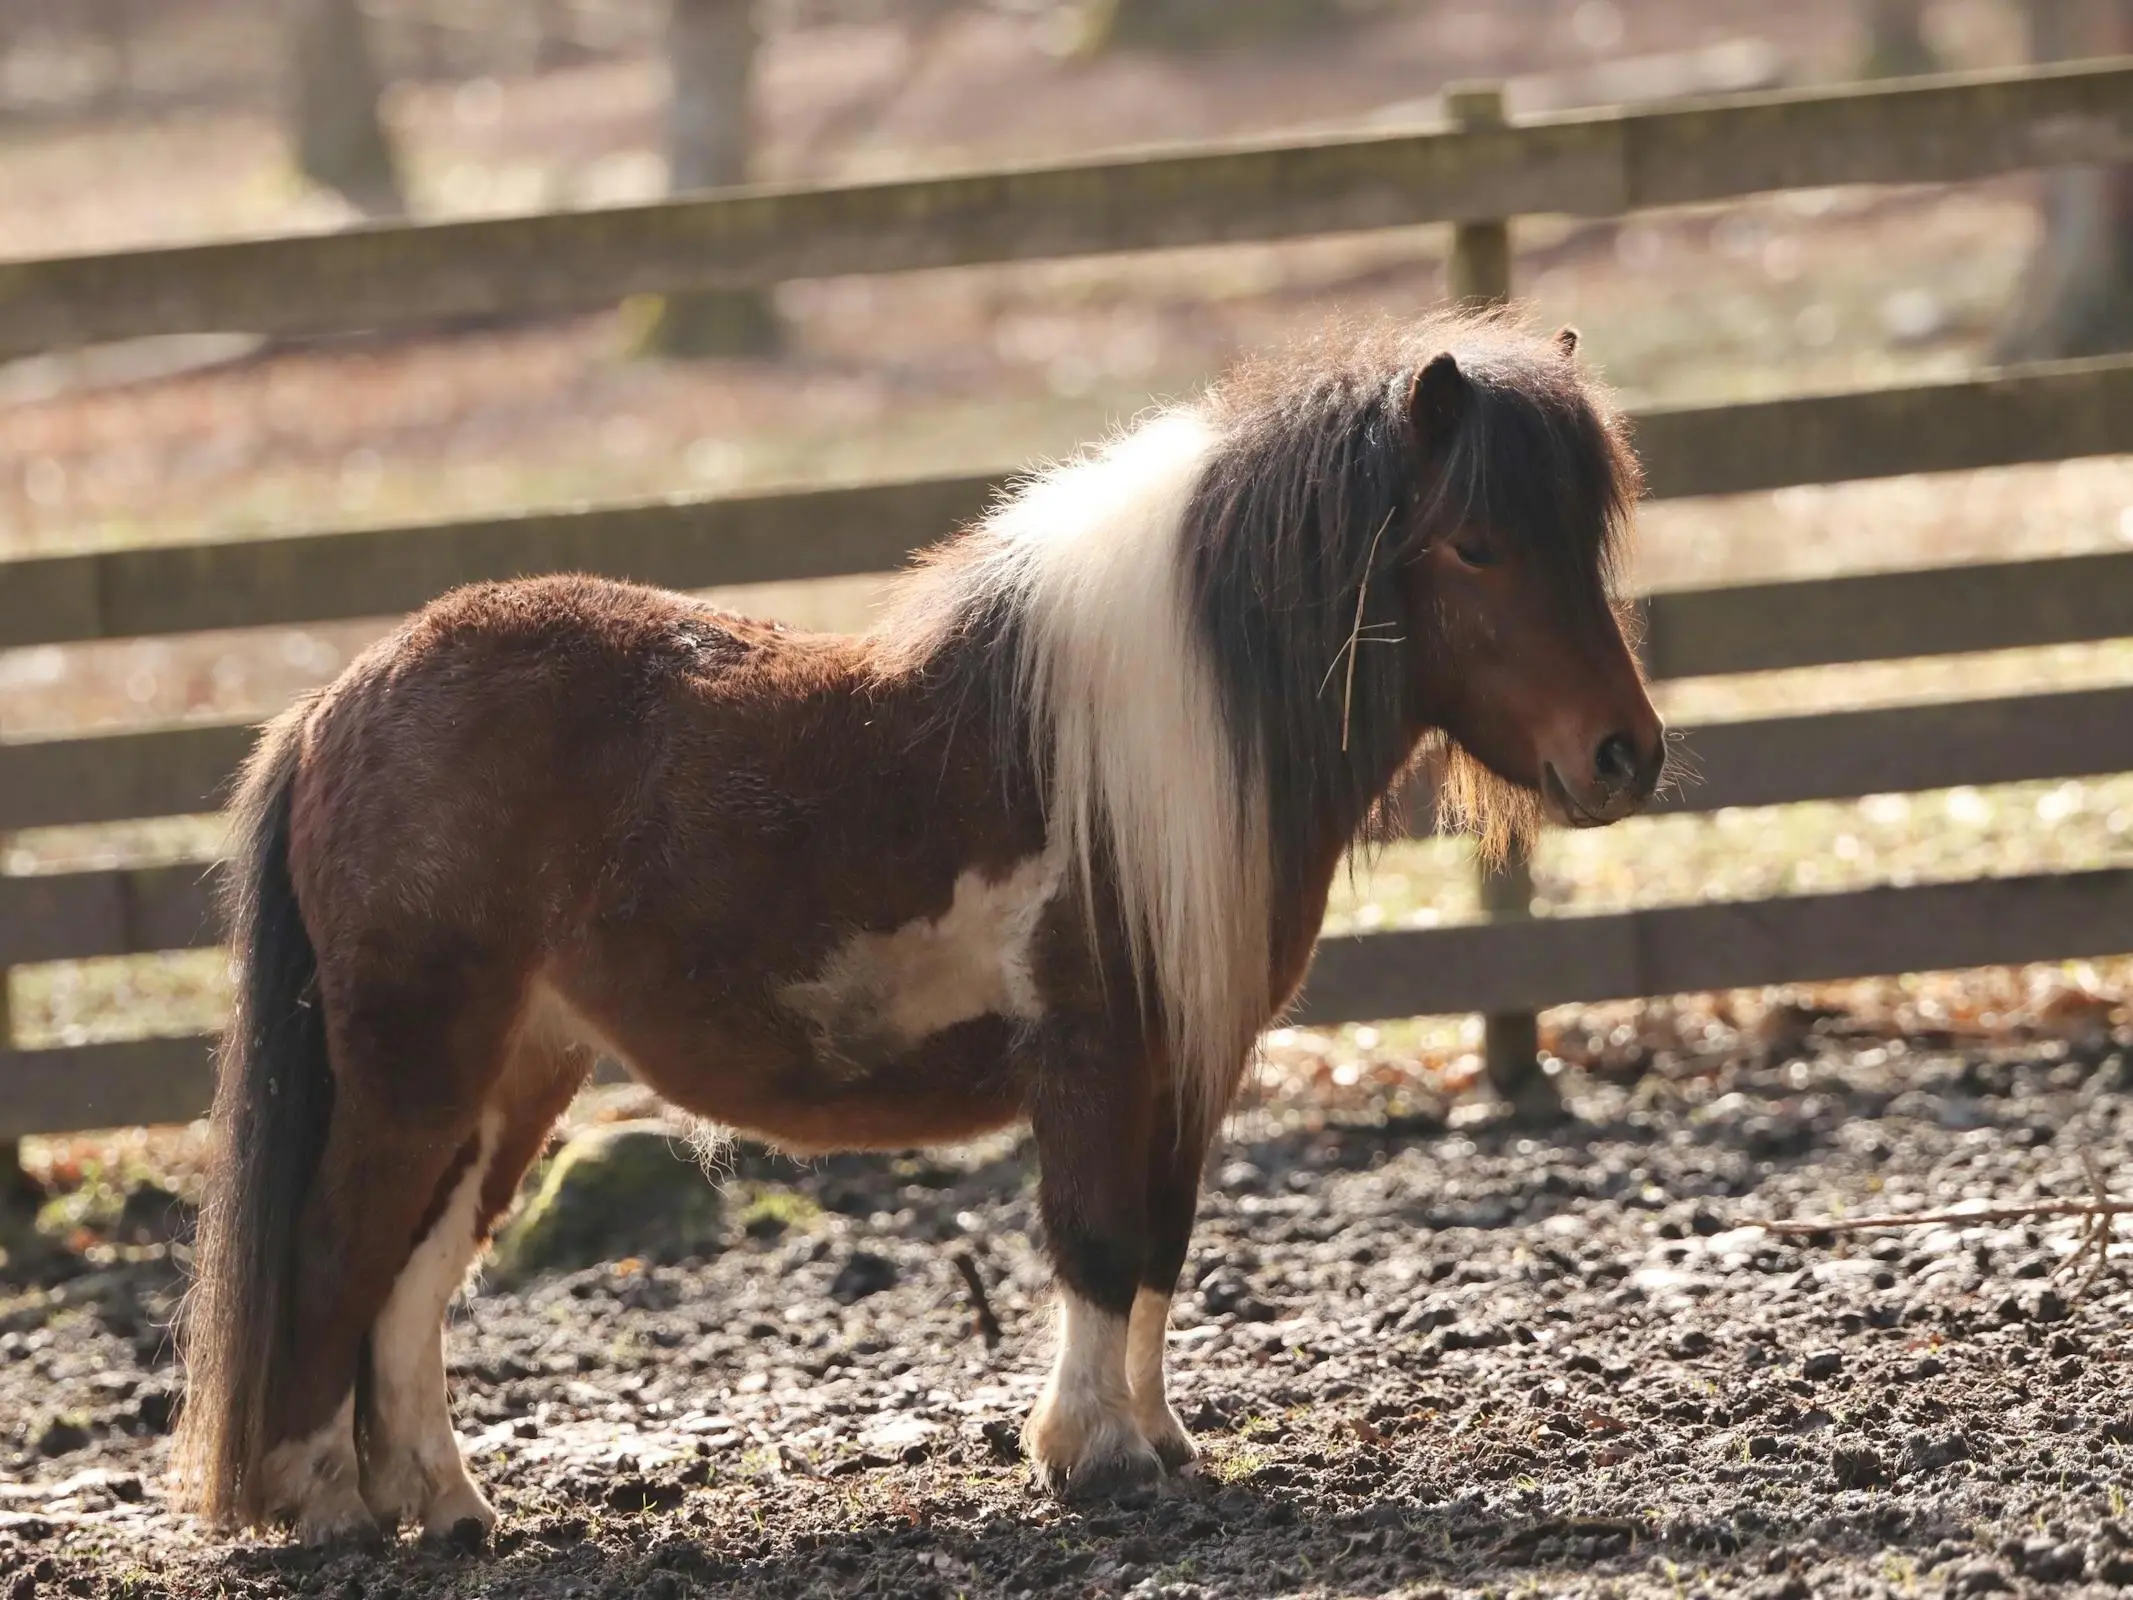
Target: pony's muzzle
<point>1621,780</point>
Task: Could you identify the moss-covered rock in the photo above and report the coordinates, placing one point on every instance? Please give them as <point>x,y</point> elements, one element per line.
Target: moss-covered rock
<point>623,1189</point>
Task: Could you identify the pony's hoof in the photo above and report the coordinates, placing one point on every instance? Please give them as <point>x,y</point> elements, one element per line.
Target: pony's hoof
<point>1110,1476</point>
<point>469,1536</point>
<point>1166,1435</point>
<point>341,1523</point>
<point>460,1517</point>
<point>1175,1449</point>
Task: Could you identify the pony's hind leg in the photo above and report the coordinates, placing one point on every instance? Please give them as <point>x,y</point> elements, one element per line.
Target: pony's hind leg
<point>366,1200</point>
<point>1090,1117</point>
<point>412,1467</point>
<point>415,1052</point>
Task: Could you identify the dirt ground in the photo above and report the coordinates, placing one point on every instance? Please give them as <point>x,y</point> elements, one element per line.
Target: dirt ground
<point>1423,1353</point>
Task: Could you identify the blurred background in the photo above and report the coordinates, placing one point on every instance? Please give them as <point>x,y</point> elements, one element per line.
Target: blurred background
<point>134,122</point>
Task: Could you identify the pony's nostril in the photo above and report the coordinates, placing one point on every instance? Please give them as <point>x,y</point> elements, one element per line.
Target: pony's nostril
<point>1614,764</point>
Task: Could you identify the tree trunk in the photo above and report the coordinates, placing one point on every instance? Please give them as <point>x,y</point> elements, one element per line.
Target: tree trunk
<point>711,55</point>
<point>2075,297</point>
<point>333,107</point>
<point>1896,39</point>
<point>112,23</point>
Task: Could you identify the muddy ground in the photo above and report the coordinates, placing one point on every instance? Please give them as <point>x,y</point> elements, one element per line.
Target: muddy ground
<point>1423,1356</point>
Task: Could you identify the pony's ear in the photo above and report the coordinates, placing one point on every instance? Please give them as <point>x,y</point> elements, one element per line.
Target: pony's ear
<point>1438,397</point>
<point>1566,340</point>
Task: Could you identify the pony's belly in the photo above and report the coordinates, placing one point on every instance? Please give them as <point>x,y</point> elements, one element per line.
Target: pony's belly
<point>848,1079</point>
<point>887,1037</point>
<point>962,1083</point>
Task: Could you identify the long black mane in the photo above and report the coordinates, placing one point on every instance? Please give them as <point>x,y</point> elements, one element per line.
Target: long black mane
<point>1322,491</point>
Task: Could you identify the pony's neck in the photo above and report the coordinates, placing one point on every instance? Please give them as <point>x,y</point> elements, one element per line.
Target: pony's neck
<point>1304,882</point>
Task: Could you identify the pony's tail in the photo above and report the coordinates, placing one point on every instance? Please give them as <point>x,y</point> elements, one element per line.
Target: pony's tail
<point>273,1096</point>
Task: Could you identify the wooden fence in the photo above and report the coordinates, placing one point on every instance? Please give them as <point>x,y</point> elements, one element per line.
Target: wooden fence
<point>1944,129</point>
<point>1585,164</point>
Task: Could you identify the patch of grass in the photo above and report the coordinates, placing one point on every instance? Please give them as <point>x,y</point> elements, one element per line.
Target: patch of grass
<point>1234,1463</point>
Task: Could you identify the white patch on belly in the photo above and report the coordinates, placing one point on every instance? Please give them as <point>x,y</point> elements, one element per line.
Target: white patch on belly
<point>882,992</point>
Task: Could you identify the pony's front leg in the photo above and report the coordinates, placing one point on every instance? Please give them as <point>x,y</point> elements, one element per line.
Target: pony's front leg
<point>1091,1116</point>
<point>1177,1156</point>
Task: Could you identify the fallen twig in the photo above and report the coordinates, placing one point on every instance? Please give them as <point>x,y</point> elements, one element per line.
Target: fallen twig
<point>2025,1212</point>
<point>2096,1227</point>
<point>981,1304</point>
<point>2098,1214</point>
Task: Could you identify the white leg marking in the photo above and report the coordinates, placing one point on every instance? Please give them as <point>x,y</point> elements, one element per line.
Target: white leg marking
<point>315,1479</point>
<point>1082,1437</point>
<point>411,1464</point>
<point>1159,1424</point>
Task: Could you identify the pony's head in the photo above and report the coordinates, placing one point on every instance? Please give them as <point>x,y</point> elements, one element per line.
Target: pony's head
<point>1525,666</point>
<point>1413,531</point>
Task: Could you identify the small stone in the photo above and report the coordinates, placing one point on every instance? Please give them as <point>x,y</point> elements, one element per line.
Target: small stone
<point>155,1408</point>
<point>2050,1306</point>
<point>1978,1577</point>
<point>1857,1466</point>
<point>2052,1561</point>
<point>1822,1364</point>
<point>62,1436</point>
<point>864,1273</point>
<point>1929,1452</point>
<point>1003,1439</point>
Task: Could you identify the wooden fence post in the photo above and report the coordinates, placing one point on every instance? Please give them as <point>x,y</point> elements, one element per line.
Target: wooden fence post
<point>16,1191</point>
<point>1480,268</point>
<point>1479,273</point>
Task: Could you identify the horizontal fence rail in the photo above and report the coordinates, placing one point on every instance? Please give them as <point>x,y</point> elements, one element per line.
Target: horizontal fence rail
<point>1764,761</point>
<point>1768,761</point>
<point>1934,130</point>
<point>1527,965</point>
<point>2045,412</point>
<point>1720,945</point>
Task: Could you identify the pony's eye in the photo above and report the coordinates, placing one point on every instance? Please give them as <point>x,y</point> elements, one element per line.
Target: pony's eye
<point>1473,553</point>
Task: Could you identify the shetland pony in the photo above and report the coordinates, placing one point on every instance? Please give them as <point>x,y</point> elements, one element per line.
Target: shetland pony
<point>1051,843</point>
